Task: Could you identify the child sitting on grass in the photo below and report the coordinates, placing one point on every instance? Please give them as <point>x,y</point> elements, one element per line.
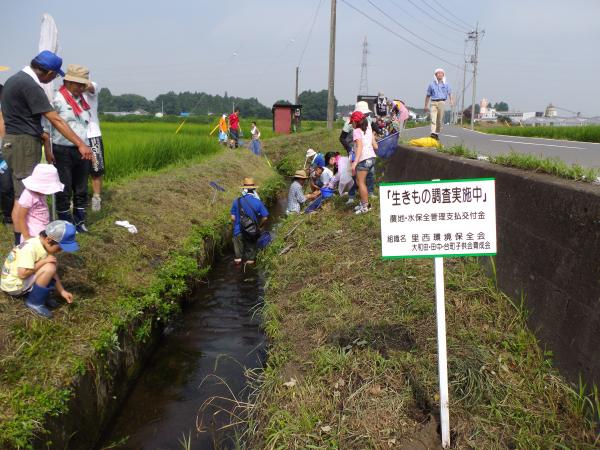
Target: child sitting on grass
<point>31,214</point>
<point>30,269</point>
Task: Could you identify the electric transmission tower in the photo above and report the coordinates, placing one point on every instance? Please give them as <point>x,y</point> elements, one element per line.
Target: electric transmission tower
<point>363,88</point>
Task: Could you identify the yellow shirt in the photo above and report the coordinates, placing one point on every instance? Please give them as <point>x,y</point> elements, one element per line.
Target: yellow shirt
<point>25,255</point>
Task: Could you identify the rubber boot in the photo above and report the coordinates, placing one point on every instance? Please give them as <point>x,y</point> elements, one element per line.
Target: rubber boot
<point>79,216</point>
<point>65,215</point>
<point>36,301</point>
<point>50,301</point>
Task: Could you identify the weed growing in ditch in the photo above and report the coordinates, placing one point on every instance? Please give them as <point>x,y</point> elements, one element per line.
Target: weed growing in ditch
<point>459,150</point>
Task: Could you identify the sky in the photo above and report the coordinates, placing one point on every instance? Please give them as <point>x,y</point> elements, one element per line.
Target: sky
<point>533,52</point>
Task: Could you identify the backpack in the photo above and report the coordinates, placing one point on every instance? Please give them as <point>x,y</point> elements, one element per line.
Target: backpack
<point>249,226</point>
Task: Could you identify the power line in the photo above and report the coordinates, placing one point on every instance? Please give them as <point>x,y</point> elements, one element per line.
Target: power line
<point>443,16</point>
<point>434,18</point>
<point>312,25</point>
<point>453,15</point>
<point>421,21</point>
<point>410,32</point>
<point>398,35</point>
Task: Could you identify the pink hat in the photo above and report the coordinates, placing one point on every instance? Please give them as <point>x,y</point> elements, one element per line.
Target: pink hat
<point>44,179</point>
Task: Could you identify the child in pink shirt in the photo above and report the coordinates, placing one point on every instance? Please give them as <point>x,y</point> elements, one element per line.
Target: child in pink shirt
<point>31,214</point>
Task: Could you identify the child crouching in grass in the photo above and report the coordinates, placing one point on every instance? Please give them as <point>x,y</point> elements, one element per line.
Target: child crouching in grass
<point>30,269</point>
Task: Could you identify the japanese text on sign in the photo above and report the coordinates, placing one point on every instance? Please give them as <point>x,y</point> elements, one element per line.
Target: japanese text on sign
<point>438,218</point>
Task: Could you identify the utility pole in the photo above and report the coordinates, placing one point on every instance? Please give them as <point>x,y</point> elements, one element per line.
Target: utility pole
<point>296,96</point>
<point>462,100</point>
<point>475,35</point>
<point>330,89</point>
<point>363,87</point>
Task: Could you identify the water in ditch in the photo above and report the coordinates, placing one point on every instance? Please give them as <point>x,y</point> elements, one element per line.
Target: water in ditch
<point>203,359</point>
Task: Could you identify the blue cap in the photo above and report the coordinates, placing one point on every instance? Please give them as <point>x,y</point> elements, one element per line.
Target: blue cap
<point>63,232</point>
<point>319,161</point>
<point>50,61</point>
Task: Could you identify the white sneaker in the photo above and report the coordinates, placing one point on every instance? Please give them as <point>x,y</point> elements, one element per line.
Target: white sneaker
<point>350,201</point>
<point>357,207</point>
<point>96,203</point>
<point>363,209</point>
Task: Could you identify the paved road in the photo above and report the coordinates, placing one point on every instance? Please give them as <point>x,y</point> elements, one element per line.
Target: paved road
<point>584,153</point>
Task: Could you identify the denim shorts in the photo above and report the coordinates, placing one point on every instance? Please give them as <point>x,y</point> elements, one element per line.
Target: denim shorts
<point>366,165</point>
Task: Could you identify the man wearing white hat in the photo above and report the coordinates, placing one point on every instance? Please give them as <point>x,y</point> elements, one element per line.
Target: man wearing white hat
<point>438,92</point>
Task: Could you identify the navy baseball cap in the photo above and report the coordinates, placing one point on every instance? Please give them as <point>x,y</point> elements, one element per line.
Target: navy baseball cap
<point>50,61</point>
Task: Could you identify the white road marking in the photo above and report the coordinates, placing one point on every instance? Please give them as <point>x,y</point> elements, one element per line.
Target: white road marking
<point>530,137</point>
<point>542,145</point>
<point>449,135</point>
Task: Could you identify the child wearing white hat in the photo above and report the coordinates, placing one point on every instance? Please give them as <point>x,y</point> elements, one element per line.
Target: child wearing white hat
<point>31,215</point>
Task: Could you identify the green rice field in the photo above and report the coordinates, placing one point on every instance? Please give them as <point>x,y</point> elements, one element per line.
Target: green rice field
<point>136,147</point>
<point>585,133</point>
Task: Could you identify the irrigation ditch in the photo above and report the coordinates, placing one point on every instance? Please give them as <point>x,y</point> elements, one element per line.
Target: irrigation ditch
<point>191,387</point>
<point>63,380</point>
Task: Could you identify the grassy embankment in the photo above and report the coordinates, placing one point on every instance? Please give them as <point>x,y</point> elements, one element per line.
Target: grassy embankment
<point>352,357</point>
<point>119,279</point>
<point>583,133</point>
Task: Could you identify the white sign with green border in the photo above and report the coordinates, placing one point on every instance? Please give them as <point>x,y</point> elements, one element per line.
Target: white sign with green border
<point>425,219</point>
<point>434,219</point>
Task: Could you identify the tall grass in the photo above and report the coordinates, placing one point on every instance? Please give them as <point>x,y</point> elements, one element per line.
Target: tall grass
<point>583,133</point>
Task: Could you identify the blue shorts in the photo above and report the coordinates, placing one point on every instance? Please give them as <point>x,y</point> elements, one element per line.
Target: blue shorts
<point>366,165</point>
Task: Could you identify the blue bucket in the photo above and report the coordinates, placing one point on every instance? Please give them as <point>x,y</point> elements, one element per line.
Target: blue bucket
<point>327,192</point>
<point>264,240</point>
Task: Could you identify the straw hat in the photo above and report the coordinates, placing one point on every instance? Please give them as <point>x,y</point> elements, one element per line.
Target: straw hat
<point>300,174</point>
<point>78,74</point>
<point>310,153</point>
<point>44,179</point>
<point>248,183</point>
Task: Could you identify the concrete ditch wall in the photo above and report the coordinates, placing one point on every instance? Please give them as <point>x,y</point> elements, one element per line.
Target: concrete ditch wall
<point>548,250</point>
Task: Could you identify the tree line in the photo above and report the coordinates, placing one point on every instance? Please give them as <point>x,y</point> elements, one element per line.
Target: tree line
<point>314,104</point>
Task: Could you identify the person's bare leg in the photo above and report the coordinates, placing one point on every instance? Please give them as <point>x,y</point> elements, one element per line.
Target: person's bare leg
<point>45,274</point>
<point>97,185</point>
<point>361,180</point>
<point>97,190</point>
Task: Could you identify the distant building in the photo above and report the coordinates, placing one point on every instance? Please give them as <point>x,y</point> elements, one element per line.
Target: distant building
<point>551,111</point>
<point>137,112</point>
<point>556,121</point>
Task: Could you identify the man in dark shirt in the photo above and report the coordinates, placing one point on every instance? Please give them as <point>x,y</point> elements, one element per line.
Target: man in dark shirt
<point>23,105</point>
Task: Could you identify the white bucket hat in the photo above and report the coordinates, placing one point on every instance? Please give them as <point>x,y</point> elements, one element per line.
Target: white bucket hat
<point>363,107</point>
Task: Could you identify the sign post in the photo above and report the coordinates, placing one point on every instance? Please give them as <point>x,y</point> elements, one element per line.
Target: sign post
<point>437,219</point>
